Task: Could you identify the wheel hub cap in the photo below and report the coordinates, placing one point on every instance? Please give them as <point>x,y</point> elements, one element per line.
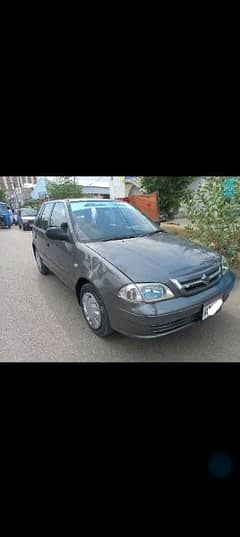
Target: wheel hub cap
<point>92,310</point>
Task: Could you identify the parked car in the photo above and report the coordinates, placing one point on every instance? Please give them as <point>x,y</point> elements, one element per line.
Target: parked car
<point>26,217</point>
<point>128,275</point>
<point>5,216</point>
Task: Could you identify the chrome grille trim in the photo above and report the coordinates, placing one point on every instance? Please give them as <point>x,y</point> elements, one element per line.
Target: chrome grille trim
<point>198,284</point>
<point>215,274</point>
<point>177,283</point>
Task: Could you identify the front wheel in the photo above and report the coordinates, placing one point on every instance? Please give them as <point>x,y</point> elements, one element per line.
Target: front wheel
<point>41,267</point>
<point>94,311</point>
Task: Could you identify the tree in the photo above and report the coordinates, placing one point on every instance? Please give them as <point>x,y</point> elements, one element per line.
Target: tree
<point>215,217</point>
<point>171,190</point>
<point>35,204</point>
<point>3,196</point>
<point>63,188</point>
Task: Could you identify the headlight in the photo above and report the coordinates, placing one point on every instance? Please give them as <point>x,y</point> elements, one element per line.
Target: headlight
<point>225,265</point>
<point>145,292</point>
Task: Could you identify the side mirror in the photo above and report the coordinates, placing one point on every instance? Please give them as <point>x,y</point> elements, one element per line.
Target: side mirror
<point>57,234</point>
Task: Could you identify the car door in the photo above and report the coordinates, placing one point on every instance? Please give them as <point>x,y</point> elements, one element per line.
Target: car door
<point>62,253</point>
<point>39,232</point>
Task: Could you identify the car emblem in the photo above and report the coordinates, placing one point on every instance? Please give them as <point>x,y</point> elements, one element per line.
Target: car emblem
<point>205,279</point>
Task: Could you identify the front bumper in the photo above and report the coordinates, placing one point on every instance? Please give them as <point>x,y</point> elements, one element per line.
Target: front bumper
<point>162,318</point>
<point>28,225</point>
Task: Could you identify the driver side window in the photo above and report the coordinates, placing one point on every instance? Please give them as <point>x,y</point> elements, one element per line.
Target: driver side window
<point>44,215</point>
<point>59,217</point>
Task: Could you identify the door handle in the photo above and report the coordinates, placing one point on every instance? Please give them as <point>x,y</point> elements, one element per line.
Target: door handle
<point>48,244</point>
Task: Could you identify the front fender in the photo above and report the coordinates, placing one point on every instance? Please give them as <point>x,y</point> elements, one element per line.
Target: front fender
<point>103,275</point>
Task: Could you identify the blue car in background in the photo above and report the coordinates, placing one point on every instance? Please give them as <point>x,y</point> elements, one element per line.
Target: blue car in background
<point>5,217</point>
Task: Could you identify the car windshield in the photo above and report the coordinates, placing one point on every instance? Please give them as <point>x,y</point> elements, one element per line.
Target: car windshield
<point>106,221</point>
<point>28,212</point>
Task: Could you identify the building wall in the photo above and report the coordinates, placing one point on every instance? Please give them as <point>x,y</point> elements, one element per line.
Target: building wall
<point>17,188</point>
<point>40,189</point>
<point>117,187</point>
<point>10,182</point>
<point>132,190</point>
<point>3,183</point>
<point>121,187</point>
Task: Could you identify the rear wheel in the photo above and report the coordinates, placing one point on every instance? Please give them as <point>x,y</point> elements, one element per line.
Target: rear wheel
<point>41,267</point>
<point>94,311</point>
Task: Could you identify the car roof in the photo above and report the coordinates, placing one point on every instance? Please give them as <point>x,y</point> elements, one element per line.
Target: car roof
<point>94,200</point>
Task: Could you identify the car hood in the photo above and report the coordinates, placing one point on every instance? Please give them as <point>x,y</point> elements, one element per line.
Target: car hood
<point>155,258</point>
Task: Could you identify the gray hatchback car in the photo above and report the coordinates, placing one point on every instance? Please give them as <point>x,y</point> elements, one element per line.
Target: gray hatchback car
<point>128,275</point>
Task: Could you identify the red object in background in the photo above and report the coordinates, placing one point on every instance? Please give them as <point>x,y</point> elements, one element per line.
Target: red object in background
<point>146,203</point>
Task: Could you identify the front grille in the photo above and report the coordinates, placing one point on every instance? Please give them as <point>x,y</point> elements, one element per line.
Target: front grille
<point>171,326</point>
<point>200,282</point>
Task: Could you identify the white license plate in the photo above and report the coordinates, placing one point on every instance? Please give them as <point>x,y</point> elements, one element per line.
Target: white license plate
<point>210,309</point>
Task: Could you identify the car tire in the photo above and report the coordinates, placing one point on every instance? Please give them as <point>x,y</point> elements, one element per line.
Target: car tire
<point>99,322</point>
<point>40,265</point>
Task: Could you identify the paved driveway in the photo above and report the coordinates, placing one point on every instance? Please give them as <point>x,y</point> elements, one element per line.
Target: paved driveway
<point>40,320</point>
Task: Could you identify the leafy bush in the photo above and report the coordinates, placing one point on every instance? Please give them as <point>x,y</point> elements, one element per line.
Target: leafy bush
<point>215,220</point>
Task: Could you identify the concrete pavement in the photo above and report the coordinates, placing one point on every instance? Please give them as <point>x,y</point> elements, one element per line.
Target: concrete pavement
<point>40,320</point>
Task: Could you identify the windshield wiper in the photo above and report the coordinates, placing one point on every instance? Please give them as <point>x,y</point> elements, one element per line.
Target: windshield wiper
<point>121,238</point>
<point>124,237</point>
